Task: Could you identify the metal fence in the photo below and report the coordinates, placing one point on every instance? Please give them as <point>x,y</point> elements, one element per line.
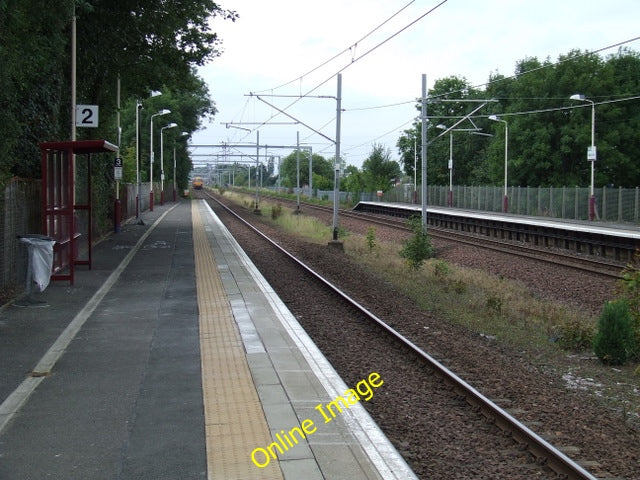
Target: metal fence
<point>572,203</point>
<point>22,213</point>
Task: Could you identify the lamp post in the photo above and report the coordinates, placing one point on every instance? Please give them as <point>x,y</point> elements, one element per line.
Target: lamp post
<point>591,152</point>
<point>444,127</point>
<point>183,134</point>
<point>154,93</point>
<point>505,200</point>
<point>171,125</point>
<point>164,111</point>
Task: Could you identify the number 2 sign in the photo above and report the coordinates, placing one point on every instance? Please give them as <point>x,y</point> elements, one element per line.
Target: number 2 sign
<point>87,116</point>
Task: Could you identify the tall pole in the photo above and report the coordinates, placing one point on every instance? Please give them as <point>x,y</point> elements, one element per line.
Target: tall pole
<point>336,176</point>
<point>451,168</point>
<point>298,171</point>
<point>162,166</point>
<point>117,207</point>
<point>151,167</point>
<point>73,74</point>
<point>310,172</point>
<point>505,201</point>
<point>138,108</point>
<point>257,209</point>
<point>505,198</point>
<point>424,153</point>
<point>415,170</point>
<point>591,156</point>
<point>591,153</point>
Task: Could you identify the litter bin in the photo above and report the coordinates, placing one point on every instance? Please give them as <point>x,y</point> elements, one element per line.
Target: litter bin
<point>40,261</point>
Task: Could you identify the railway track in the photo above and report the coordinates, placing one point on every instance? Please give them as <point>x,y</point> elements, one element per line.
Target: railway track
<point>591,264</point>
<point>433,400</point>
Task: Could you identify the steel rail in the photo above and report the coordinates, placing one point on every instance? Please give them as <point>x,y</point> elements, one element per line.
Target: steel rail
<point>586,264</point>
<point>540,448</point>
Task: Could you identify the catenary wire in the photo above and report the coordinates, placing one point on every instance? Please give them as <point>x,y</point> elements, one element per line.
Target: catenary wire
<point>352,46</point>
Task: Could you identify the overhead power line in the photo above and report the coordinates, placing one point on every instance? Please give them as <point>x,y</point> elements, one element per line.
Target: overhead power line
<point>352,48</point>
<point>355,59</point>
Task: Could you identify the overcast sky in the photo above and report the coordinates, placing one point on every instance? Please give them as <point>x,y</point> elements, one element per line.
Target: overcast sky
<point>276,42</point>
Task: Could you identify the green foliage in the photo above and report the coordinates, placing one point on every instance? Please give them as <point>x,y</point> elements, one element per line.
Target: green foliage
<point>418,248</point>
<point>353,181</point>
<point>276,211</point>
<point>546,148</point>
<point>441,269</point>
<point>371,239</point>
<point>575,335</point>
<point>322,171</point>
<point>494,304</point>
<point>629,290</point>
<point>613,342</point>
<point>151,45</point>
<point>379,171</point>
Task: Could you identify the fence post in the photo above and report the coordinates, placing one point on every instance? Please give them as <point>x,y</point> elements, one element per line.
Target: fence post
<point>620,204</point>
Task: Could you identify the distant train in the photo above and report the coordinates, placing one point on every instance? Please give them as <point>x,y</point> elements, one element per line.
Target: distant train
<point>197,183</point>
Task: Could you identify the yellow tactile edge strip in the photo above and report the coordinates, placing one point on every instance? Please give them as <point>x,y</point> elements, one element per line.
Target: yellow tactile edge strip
<point>234,420</point>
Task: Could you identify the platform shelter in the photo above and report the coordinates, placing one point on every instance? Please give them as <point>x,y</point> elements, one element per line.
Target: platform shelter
<point>66,201</point>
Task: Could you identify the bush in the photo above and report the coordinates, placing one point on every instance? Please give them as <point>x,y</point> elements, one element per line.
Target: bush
<point>629,290</point>
<point>276,211</point>
<point>614,341</point>
<point>371,239</point>
<point>575,335</point>
<point>441,269</point>
<point>418,248</point>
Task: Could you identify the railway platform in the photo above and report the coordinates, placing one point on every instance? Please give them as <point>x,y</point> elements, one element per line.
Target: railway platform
<point>172,358</point>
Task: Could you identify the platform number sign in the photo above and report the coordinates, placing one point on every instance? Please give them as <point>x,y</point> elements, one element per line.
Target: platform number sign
<point>87,116</point>
<point>117,168</point>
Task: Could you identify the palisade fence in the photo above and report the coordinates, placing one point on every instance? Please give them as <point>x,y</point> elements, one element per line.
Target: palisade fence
<point>619,205</point>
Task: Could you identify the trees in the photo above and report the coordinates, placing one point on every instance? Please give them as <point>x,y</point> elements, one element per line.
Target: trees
<point>322,171</point>
<point>151,45</point>
<point>467,148</point>
<point>548,138</point>
<point>33,42</point>
<point>379,172</point>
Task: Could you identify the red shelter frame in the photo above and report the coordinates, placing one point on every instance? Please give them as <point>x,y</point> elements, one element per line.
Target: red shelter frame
<point>60,199</point>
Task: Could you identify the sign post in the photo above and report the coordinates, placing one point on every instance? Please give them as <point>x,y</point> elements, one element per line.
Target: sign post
<point>117,213</point>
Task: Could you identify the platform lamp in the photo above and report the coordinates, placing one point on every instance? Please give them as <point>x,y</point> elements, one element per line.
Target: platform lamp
<point>591,152</point>
<point>505,200</point>
<point>182,135</point>
<point>154,93</point>
<point>164,111</point>
<point>171,125</point>
<point>450,165</point>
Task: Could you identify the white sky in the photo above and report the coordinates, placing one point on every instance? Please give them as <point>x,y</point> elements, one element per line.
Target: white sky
<point>276,41</point>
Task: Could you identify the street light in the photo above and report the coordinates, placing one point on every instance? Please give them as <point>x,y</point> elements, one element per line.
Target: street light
<point>154,93</point>
<point>505,200</point>
<point>171,125</point>
<point>444,127</point>
<point>183,134</point>
<point>591,152</point>
<point>164,111</point>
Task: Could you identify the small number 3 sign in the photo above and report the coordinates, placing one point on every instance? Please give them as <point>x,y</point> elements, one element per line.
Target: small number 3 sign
<point>87,116</point>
